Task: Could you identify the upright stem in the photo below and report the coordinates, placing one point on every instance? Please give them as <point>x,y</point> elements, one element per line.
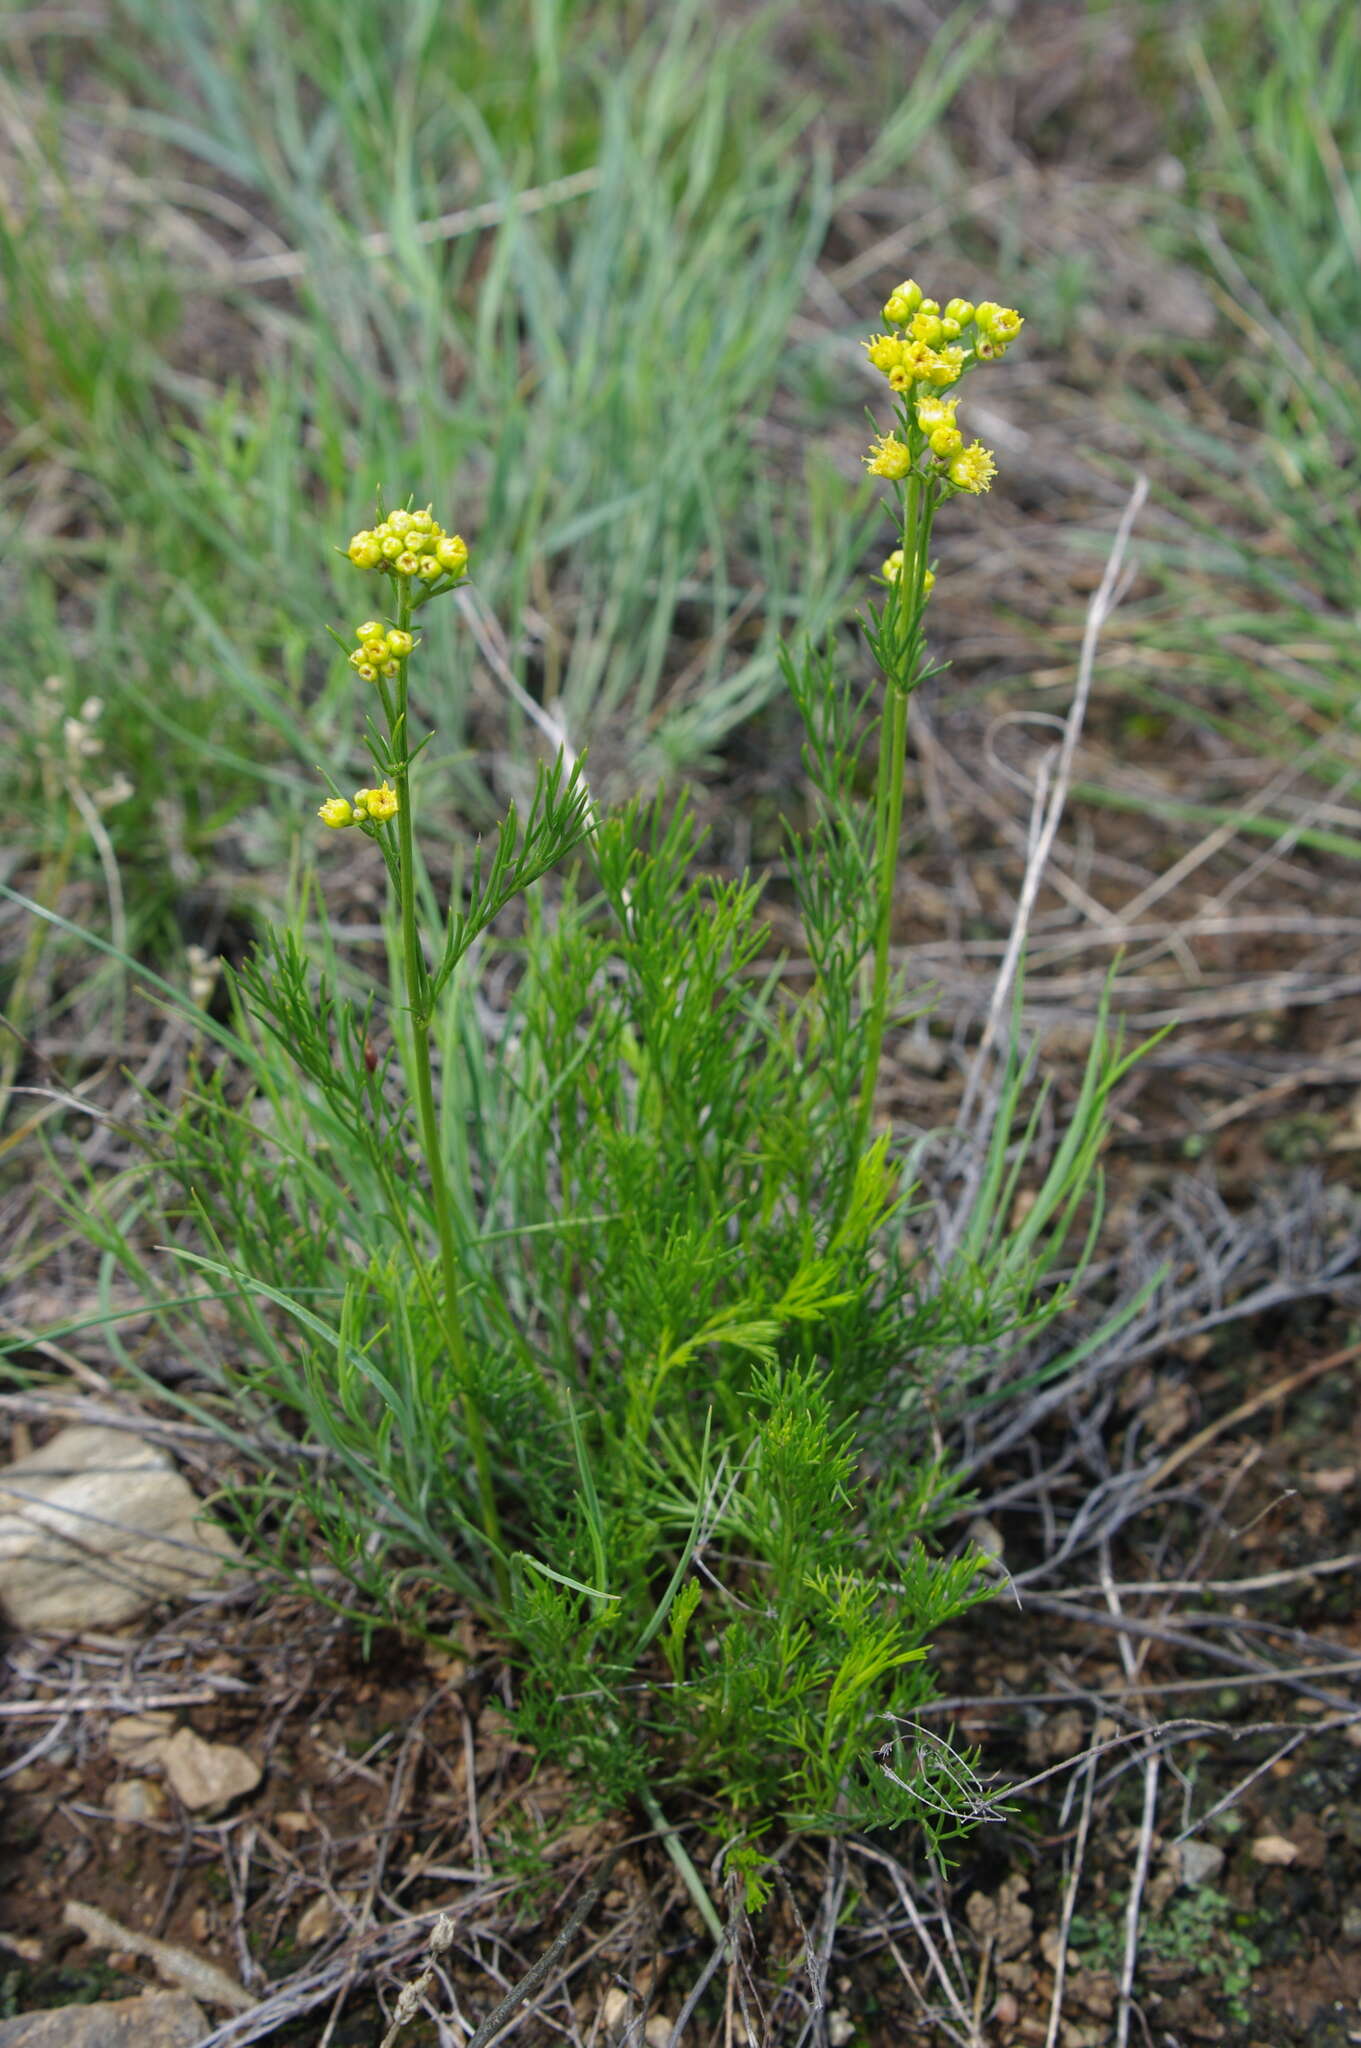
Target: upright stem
<point>417,979</point>
<point>906,615</point>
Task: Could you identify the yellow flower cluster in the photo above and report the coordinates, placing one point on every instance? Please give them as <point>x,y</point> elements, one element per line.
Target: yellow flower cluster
<point>410,544</point>
<point>933,347</point>
<point>370,805</point>
<point>381,650</point>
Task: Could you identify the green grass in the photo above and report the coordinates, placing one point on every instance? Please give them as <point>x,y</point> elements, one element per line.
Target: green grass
<point>588,384</point>
<point>1253,627</point>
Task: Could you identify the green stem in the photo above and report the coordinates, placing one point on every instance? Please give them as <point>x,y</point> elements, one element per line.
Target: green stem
<point>909,602</point>
<point>417,979</point>
<point>680,1856</point>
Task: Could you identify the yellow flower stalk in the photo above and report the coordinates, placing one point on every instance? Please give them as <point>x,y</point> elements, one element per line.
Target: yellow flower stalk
<point>412,548</point>
<point>924,456</point>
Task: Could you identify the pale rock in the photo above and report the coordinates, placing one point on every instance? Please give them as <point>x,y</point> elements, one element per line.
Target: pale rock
<point>159,2019</point>
<point>1201,1862</point>
<point>208,1775</point>
<point>658,2031</point>
<point>615,2007</point>
<point>315,1922</point>
<point>96,1527</point>
<point>987,1537</point>
<point>137,1799</point>
<point>139,1739</point>
<point>1274,1849</point>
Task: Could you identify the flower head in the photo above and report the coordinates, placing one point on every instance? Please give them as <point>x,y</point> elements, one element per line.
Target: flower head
<point>409,543</point>
<point>933,412</point>
<point>378,804</point>
<point>973,469</point>
<point>1001,323</point>
<point>889,457</point>
<point>336,813</point>
<point>883,351</point>
<point>947,365</point>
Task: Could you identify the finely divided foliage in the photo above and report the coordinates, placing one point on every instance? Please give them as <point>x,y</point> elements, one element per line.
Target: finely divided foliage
<point>595,1307</point>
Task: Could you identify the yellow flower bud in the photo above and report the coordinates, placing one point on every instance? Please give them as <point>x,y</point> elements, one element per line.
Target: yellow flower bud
<point>452,554</point>
<point>929,306</point>
<point>959,310</point>
<point>364,551</point>
<point>381,803</point>
<point>374,649</point>
<point>391,546</point>
<point>429,568</point>
<point>370,630</point>
<point>389,668</point>
<point>399,521</point>
<point>366,671</point>
<point>946,441</point>
<point>926,327</point>
<point>422,522</point>
<point>398,642</point>
<point>893,569</point>
<point>406,564</point>
<point>335,812</point>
